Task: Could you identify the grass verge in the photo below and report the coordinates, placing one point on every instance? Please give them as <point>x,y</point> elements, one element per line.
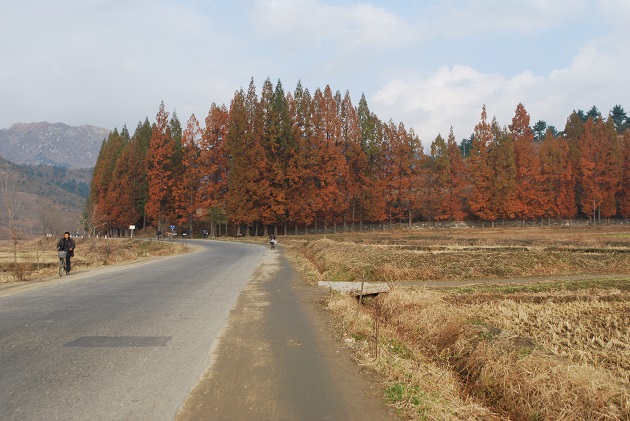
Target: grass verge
<point>36,259</point>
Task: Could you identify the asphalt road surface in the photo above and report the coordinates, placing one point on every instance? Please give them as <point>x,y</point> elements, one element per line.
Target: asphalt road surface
<point>229,332</point>
<point>279,359</point>
<point>127,342</point>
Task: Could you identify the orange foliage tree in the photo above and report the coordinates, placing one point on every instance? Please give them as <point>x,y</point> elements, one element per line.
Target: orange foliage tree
<point>294,159</point>
<point>187,192</point>
<point>480,172</point>
<point>624,188</point>
<point>162,170</point>
<point>600,168</point>
<point>530,201</point>
<point>557,177</point>
<point>103,187</point>
<point>213,165</point>
<point>456,183</point>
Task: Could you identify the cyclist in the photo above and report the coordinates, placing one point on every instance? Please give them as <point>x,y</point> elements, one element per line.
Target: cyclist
<point>66,244</point>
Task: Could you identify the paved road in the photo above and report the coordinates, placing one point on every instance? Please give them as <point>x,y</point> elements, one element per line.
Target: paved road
<point>125,342</point>
<point>279,359</point>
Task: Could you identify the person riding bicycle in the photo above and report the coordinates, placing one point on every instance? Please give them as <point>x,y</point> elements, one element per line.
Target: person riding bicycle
<point>66,244</point>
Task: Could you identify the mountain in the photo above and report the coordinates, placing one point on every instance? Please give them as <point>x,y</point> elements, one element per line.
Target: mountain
<point>55,144</point>
<point>44,199</point>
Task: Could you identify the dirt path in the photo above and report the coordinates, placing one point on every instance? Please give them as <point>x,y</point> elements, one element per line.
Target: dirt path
<point>508,281</point>
<point>279,359</point>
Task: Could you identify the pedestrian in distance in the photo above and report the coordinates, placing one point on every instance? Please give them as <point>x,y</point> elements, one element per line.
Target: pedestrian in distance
<point>66,244</point>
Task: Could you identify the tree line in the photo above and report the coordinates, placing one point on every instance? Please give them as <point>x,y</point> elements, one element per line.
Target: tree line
<point>289,161</point>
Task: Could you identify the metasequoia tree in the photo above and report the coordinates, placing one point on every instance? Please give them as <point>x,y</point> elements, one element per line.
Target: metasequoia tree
<point>436,181</point>
<point>624,188</point>
<point>245,170</point>
<point>372,202</point>
<point>503,188</point>
<point>600,168</point>
<point>557,177</point>
<point>404,186</point>
<point>330,163</point>
<point>355,156</point>
<point>296,159</point>
<point>128,186</point>
<point>101,199</point>
<point>480,172</point>
<point>530,201</point>
<point>186,192</point>
<point>161,172</point>
<point>336,142</point>
<point>213,166</point>
<point>277,142</point>
<point>302,163</point>
<point>447,179</point>
<point>456,182</point>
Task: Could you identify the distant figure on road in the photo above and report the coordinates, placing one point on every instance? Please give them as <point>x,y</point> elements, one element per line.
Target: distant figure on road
<point>66,244</point>
<point>159,235</point>
<point>272,241</point>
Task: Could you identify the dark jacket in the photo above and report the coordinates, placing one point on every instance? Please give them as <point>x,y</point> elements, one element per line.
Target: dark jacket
<point>66,245</point>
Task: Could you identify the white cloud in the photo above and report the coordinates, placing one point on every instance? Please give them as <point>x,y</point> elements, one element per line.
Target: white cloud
<point>430,65</point>
<point>310,24</point>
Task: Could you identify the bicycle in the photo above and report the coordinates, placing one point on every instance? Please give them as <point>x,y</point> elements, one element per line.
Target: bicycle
<point>62,262</point>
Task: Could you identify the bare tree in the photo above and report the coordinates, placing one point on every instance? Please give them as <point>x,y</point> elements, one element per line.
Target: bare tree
<point>12,204</point>
<point>93,220</point>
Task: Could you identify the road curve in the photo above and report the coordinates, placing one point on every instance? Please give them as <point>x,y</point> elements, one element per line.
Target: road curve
<point>123,342</point>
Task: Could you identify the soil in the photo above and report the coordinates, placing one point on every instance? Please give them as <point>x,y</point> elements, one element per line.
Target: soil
<point>279,359</point>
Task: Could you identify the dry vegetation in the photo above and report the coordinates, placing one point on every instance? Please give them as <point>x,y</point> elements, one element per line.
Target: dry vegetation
<point>37,259</point>
<point>521,351</point>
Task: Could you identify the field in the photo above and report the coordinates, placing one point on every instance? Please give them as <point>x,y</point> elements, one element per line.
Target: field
<point>521,324</point>
<point>37,259</point>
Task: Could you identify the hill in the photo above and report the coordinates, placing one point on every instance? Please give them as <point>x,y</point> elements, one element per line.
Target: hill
<point>49,200</point>
<point>55,144</point>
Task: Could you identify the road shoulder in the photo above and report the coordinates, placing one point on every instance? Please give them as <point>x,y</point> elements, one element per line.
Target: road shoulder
<point>279,359</point>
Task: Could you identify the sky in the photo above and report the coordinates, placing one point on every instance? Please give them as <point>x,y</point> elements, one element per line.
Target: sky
<point>430,65</point>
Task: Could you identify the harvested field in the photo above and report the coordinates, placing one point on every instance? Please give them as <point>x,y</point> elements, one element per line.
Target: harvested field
<point>548,350</point>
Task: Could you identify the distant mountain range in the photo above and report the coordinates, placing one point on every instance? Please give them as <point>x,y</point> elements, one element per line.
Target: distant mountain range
<point>54,144</point>
<point>46,169</point>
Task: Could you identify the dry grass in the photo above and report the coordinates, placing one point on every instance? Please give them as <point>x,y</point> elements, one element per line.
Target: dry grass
<point>37,259</point>
<point>458,254</point>
<point>543,351</point>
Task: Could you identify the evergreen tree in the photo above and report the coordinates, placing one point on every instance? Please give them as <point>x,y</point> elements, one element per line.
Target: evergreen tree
<point>619,118</point>
<point>539,129</point>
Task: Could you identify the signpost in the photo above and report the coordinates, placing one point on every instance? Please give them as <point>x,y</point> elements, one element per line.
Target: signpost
<point>132,227</point>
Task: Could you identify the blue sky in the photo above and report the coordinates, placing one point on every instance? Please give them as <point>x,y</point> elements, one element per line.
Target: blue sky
<point>428,64</point>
